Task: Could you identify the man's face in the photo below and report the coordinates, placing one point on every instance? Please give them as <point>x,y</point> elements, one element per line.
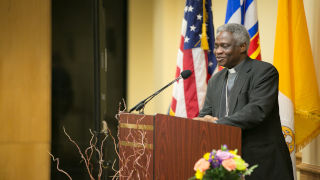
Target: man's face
<point>227,52</point>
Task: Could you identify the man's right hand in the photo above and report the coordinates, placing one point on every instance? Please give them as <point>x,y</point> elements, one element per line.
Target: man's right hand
<point>206,118</point>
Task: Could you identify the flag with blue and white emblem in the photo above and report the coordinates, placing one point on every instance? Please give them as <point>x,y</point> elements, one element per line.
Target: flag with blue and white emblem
<point>245,12</point>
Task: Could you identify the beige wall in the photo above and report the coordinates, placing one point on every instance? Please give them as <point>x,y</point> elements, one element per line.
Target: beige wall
<point>154,34</point>
<point>311,153</point>
<point>24,89</point>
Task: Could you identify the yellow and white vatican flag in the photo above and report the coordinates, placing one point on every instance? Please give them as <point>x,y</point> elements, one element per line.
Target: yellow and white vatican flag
<point>299,101</point>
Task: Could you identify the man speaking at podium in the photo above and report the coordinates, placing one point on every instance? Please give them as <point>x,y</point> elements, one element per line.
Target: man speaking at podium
<point>245,94</point>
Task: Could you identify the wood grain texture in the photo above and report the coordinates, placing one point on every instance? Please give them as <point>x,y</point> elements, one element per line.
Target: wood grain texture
<point>178,143</point>
<point>308,171</point>
<point>24,161</point>
<point>25,83</point>
<point>25,70</point>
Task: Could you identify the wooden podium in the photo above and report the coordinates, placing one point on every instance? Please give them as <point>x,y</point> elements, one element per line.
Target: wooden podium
<point>167,147</point>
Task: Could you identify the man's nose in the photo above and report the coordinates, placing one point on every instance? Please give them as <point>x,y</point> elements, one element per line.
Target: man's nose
<point>218,50</point>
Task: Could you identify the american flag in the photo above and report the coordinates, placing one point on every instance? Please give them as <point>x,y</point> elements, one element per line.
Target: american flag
<point>196,54</point>
<point>245,12</point>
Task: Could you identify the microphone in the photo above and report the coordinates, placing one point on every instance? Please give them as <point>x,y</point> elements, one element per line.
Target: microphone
<point>140,106</point>
<point>185,74</point>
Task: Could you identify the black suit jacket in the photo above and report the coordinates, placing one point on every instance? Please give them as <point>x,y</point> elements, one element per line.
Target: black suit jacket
<point>253,105</point>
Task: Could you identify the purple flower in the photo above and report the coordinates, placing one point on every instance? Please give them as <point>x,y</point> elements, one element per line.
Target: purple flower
<point>210,157</point>
<point>222,155</point>
<point>215,163</point>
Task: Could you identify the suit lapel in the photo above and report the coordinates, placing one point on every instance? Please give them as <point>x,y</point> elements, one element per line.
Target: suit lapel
<point>240,81</point>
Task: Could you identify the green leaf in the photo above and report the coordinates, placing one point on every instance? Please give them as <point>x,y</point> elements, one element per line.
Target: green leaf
<point>250,170</point>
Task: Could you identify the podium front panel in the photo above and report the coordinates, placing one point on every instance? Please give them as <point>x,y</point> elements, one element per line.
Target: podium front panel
<point>136,133</point>
<point>180,142</point>
<point>164,147</point>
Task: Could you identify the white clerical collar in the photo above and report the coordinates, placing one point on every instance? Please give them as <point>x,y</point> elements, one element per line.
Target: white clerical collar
<point>232,70</point>
<point>236,68</point>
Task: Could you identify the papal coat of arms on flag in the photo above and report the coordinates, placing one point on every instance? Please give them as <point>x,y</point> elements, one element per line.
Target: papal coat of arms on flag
<point>299,101</point>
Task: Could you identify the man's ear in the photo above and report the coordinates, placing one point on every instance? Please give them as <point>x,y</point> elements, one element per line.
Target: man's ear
<point>243,47</point>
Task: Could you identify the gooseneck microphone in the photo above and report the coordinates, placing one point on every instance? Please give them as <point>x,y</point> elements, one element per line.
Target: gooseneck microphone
<point>140,106</point>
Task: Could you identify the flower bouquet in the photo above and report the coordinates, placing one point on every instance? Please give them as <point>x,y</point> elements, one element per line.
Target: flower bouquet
<point>222,164</point>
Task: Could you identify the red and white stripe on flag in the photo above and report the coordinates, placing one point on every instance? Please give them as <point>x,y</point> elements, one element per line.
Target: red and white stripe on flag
<point>189,94</point>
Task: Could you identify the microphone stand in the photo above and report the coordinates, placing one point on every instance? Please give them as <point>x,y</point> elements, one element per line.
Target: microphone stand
<point>140,106</point>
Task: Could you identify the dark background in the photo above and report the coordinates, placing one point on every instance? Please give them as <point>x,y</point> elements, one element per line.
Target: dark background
<point>89,47</point>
